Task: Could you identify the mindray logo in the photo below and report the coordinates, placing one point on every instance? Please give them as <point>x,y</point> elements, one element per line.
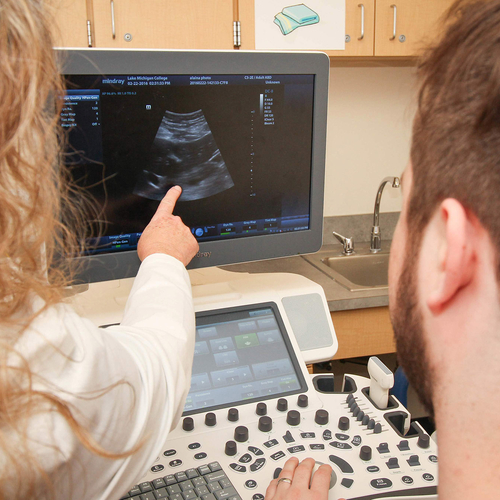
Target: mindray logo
<point>204,254</point>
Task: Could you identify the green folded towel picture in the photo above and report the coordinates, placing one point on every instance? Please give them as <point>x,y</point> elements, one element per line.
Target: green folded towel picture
<point>295,16</point>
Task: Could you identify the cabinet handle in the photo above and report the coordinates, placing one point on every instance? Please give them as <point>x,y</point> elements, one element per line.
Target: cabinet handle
<point>113,30</point>
<point>362,21</point>
<point>394,23</point>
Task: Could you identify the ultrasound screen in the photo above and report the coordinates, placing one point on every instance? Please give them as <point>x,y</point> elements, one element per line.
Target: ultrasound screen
<point>239,145</point>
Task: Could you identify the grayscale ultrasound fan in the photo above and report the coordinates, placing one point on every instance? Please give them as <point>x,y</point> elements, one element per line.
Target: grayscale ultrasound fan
<point>184,152</point>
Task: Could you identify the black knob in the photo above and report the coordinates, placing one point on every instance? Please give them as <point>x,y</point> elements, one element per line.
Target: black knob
<point>365,420</point>
<point>371,424</point>
<point>282,404</point>
<point>231,448</point>
<point>302,401</point>
<point>350,397</point>
<point>210,419</point>
<point>293,417</point>
<point>365,453</point>
<point>321,417</point>
<point>423,441</point>
<point>233,414</point>
<point>261,409</point>
<point>241,434</point>
<point>343,423</point>
<point>356,411</point>
<point>265,424</point>
<point>360,416</point>
<point>188,424</point>
<point>378,428</point>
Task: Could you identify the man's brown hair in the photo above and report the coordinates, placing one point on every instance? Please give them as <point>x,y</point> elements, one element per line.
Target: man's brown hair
<point>456,134</point>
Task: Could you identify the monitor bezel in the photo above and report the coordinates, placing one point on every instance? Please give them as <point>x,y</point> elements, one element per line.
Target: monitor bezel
<point>104,267</point>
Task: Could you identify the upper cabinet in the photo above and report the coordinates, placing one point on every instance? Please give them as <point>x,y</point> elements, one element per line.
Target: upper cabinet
<point>404,27</point>
<point>174,24</point>
<point>385,28</point>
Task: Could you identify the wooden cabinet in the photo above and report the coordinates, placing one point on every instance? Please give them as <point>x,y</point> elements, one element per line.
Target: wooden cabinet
<point>404,27</point>
<point>70,22</point>
<point>175,24</point>
<point>363,332</point>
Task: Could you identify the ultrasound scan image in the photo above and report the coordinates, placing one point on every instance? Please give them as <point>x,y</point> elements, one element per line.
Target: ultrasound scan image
<point>184,153</point>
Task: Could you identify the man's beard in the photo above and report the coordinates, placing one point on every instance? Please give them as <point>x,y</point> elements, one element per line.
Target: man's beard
<point>407,322</point>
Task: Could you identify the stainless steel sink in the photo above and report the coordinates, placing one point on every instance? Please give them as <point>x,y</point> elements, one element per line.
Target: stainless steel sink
<point>361,271</point>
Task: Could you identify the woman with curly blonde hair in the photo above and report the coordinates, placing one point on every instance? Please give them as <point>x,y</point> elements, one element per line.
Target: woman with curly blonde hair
<point>77,403</point>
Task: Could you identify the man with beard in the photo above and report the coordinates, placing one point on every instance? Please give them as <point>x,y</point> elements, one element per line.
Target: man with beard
<point>444,271</point>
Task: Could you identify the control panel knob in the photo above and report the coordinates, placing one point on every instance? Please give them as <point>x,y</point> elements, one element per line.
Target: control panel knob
<point>360,416</point>
<point>282,404</point>
<point>261,409</point>
<point>371,424</point>
<point>210,419</point>
<point>188,424</point>
<point>231,448</point>
<point>265,424</point>
<point>241,434</point>
<point>293,417</point>
<point>365,420</point>
<point>321,417</point>
<point>423,441</point>
<point>302,401</point>
<point>378,428</point>
<point>351,403</point>
<point>355,411</point>
<point>233,414</point>
<point>343,423</point>
<point>365,453</point>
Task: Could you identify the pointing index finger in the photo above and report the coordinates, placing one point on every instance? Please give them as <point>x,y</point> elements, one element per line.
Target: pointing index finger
<point>170,199</point>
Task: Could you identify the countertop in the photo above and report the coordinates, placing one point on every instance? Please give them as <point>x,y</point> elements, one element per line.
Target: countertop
<point>338,297</point>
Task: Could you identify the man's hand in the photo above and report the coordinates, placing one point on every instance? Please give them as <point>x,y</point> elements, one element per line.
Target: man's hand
<point>166,233</point>
<point>300,476</point>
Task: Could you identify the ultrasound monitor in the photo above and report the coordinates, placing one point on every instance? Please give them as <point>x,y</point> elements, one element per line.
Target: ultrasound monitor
<point>243,134</point>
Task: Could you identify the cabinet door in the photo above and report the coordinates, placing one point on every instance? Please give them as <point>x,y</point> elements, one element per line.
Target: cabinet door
<point>355,16</point>
<point>70,22</point>
<point>359,29</point>
<point>175,24</point>
<point>404,27</point>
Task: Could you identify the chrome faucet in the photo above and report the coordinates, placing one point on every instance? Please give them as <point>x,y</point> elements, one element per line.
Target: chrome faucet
<point>376,240</point>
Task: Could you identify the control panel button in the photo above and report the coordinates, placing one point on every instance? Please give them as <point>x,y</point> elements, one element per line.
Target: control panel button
<point>413,461</point>
<point>347,482</point>
<point>157,468</point>
<point>392,463</point>
<point>288,438</point>
<point>175,463</point>
<point>200,456</point>
<point>378,428</point>
<point>427,477</point>
<point>344,466</point>
<point>327,435</point>
<point>302,401</point>
<point>383,448</point>
<point>170,479</point>
<point>192,473</point>
<point>356,440</point>
<point>308,435</point>
<point>271,443</point>
<point>322,417</point>
<point>233,414</point>
<point>210,419</point>
<point>188,424</point>
<point>343,423</point>
<point>340,445</point>
<point>433,459</point>
<point>204,469</point>
<point>278,455</point>
<point>277,472</point>
<point>258,464</point>
<point>365,420</point>
<point>159,483</point>
<point>317,447</point>
<point>360,416</point>
<point>169,453</point>
<point>251,484</point>
<point>282,404</point>
<point>244,459</point>
<point>241,434</point>
<point>407,480</point>
<point>256,451</point>
<point>238,468</point>
<point>371,424</point>
<point>342,437</point>
<point>194,446</point>
<point>258,496</point>
<point>381,483</point>
<point>296,449</point>
<point>293,417</point>
<point>403,445</point>
<point>372,469</point>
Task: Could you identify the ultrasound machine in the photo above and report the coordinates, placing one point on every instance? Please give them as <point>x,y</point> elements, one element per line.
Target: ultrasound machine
<point>244,134</point>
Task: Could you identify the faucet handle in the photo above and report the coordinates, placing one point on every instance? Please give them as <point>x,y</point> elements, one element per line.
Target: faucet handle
<point>347,243</point>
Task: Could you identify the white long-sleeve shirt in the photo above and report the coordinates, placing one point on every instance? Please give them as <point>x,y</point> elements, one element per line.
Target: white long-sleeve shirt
<point>126,384</point>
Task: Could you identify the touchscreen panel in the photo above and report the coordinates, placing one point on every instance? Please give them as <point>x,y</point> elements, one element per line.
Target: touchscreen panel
<point>242,355</point>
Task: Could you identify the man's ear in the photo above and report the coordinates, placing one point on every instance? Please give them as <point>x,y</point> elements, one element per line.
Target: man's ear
<point>456,260</point>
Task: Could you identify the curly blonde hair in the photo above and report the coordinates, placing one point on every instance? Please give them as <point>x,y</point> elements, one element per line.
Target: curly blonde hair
<point>38,206</point>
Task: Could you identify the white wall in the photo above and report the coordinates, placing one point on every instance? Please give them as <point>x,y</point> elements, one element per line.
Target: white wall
<point>369,127</point>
